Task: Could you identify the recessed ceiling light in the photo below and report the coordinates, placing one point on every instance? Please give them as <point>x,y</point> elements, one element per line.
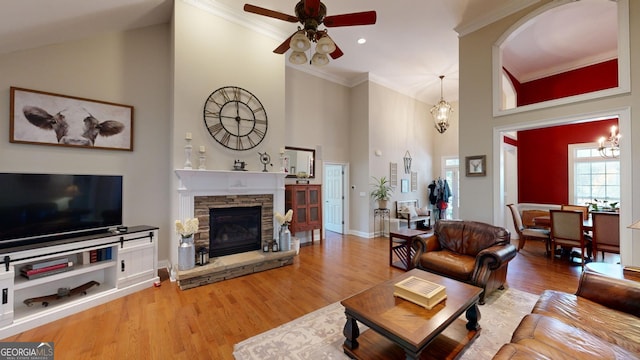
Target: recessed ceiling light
<point>362,41</point>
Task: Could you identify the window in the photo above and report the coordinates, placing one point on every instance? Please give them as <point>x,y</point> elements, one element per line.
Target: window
<point>592,176</point>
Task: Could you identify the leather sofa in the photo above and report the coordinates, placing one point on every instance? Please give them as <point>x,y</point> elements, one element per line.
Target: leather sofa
<point>600,321</point>
<point>473,252</point>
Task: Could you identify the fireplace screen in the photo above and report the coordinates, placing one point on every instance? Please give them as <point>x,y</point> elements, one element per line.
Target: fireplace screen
<point>234,230</point>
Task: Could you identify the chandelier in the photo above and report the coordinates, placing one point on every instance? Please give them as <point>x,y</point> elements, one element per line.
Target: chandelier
<point>301,42</point>
<point>610,147</point>
<point>441,112</point>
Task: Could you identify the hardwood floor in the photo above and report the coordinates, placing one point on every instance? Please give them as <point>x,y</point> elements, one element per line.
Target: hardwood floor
<point>205,322</point>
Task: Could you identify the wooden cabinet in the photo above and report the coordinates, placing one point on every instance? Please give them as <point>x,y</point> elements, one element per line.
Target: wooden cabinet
<point>306,202</point>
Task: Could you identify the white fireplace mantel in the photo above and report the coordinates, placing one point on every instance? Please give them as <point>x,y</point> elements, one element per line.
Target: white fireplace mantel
<point>221,182</point>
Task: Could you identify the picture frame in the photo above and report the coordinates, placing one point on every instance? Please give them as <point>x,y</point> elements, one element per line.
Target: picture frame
<point>476,165</point>
<point>393,174</point>
<point>414,181</point>
<point>43,118</point>
<point>404,185</point>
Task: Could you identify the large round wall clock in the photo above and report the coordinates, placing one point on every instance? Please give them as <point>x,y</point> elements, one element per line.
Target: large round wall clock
<point>235,118</point>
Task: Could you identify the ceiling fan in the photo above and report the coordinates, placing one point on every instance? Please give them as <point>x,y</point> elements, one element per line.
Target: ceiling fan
<point>311,14</point>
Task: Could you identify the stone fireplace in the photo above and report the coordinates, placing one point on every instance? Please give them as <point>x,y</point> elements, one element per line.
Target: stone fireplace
<point>202,193</point>
<point>202,190</point>
<point>244,222</point>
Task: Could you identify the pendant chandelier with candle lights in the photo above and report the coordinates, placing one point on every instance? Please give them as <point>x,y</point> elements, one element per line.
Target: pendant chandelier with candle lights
<point>610,147</point>
<point>441,111</point>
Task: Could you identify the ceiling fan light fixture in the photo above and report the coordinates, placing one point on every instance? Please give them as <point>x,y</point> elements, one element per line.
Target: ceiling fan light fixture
<point>298,58</point>
<point>299,42</point>
<point>325,45</point>
<point>319,59</point>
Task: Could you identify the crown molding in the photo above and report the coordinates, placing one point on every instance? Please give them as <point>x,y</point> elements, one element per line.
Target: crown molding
<point>238,17</point>
<point>512,7</point>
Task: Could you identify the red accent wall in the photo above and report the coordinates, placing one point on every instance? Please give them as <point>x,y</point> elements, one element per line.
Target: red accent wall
<point>543,161</point>
<point>575,82</point>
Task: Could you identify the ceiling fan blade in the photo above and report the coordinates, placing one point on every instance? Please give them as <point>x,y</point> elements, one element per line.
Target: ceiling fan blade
<point>312,7</point>
<point>336,53</point>
<point>284,46</point>
<point>360,18</point>
<point>270,13</point>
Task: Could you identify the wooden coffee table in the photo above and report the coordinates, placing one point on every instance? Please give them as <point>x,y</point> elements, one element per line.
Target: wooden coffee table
<point>403,330</point>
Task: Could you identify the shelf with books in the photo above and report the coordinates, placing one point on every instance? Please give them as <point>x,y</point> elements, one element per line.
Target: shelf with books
<point>114,265</point>
<point>24,283</point>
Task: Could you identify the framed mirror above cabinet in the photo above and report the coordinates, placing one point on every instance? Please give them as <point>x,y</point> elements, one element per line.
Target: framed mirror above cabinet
<point>300,162</point>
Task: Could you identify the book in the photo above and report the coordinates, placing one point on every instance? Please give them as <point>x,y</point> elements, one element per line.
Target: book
<point>420,291</point>
<point>47,273</point>
<point>46,269</point>
<point>93,256</point>
<point>47,263</point>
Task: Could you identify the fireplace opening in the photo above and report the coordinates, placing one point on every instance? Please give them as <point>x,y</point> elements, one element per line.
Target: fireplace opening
<point>234,230</point>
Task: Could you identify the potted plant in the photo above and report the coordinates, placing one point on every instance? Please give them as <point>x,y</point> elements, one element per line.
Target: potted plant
<point>381,191</point>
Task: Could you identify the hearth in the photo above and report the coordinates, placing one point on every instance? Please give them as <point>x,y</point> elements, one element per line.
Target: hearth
<point>234,230</point>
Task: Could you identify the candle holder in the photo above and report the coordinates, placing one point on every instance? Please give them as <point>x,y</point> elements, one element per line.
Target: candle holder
<point>201,159</point>
<point>187,154</point>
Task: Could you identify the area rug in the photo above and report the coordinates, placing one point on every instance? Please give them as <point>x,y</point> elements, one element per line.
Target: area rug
<point>318,335</point>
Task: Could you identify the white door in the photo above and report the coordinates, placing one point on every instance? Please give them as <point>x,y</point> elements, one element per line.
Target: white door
<point>334,198</point>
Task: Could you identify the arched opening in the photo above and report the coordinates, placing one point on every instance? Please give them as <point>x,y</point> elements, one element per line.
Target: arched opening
<point>546,61</point>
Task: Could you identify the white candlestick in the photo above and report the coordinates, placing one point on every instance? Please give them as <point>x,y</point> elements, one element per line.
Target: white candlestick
<point>188,136</point>
<point>202,149</point>
<point>201,157</point>
<point>187,154</point>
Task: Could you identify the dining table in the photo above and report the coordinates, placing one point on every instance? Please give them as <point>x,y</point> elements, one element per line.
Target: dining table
<point>545,222</point>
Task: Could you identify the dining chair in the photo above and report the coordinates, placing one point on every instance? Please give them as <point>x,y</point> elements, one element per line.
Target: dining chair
<point>583,208</point>
<point>606,233</point>
<point>567,231</point>
<point>525,233</point>
<point>585,216</point>
<point>528,218</point>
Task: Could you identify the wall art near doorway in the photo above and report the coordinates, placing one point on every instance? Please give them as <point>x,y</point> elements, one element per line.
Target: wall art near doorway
<point>476,165</point>
<point>43,118</point>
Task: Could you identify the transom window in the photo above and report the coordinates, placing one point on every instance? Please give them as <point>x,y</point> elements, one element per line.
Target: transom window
<point>592,177</point>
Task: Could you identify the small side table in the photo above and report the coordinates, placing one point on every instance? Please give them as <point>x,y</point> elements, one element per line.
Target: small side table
<point>382,213</point>
<point>400,242</point>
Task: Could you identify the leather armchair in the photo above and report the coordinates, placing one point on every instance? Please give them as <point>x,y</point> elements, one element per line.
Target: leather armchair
<point>469,251</point>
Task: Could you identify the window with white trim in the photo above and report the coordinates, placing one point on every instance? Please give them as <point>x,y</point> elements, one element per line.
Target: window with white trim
<point>592,177</point>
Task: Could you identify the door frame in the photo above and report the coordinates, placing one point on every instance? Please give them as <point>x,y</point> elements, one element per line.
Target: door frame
<point>626,189</point>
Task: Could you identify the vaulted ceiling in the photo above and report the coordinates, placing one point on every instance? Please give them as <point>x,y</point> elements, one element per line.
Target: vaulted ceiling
<point>412,43</point>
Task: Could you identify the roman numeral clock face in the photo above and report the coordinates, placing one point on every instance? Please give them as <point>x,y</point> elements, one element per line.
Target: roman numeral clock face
<point>235,118</point>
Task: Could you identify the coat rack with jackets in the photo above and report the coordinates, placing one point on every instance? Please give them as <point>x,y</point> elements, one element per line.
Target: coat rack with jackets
<point>439,194</point>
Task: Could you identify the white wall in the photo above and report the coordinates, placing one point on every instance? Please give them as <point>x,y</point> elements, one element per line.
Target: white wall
<point>359,150</point>
<point>397,124</point>
<point>210,52</point>
<point>127,68</point>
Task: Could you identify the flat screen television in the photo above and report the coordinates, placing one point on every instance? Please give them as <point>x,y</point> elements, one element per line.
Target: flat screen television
<point>36,208</point>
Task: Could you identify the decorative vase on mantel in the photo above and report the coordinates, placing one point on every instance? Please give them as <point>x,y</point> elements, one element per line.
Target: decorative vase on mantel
<point>186,253</point>
<point>285,237</point>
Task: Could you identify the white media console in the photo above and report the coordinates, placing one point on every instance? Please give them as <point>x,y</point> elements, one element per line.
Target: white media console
<point>128,263</point>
